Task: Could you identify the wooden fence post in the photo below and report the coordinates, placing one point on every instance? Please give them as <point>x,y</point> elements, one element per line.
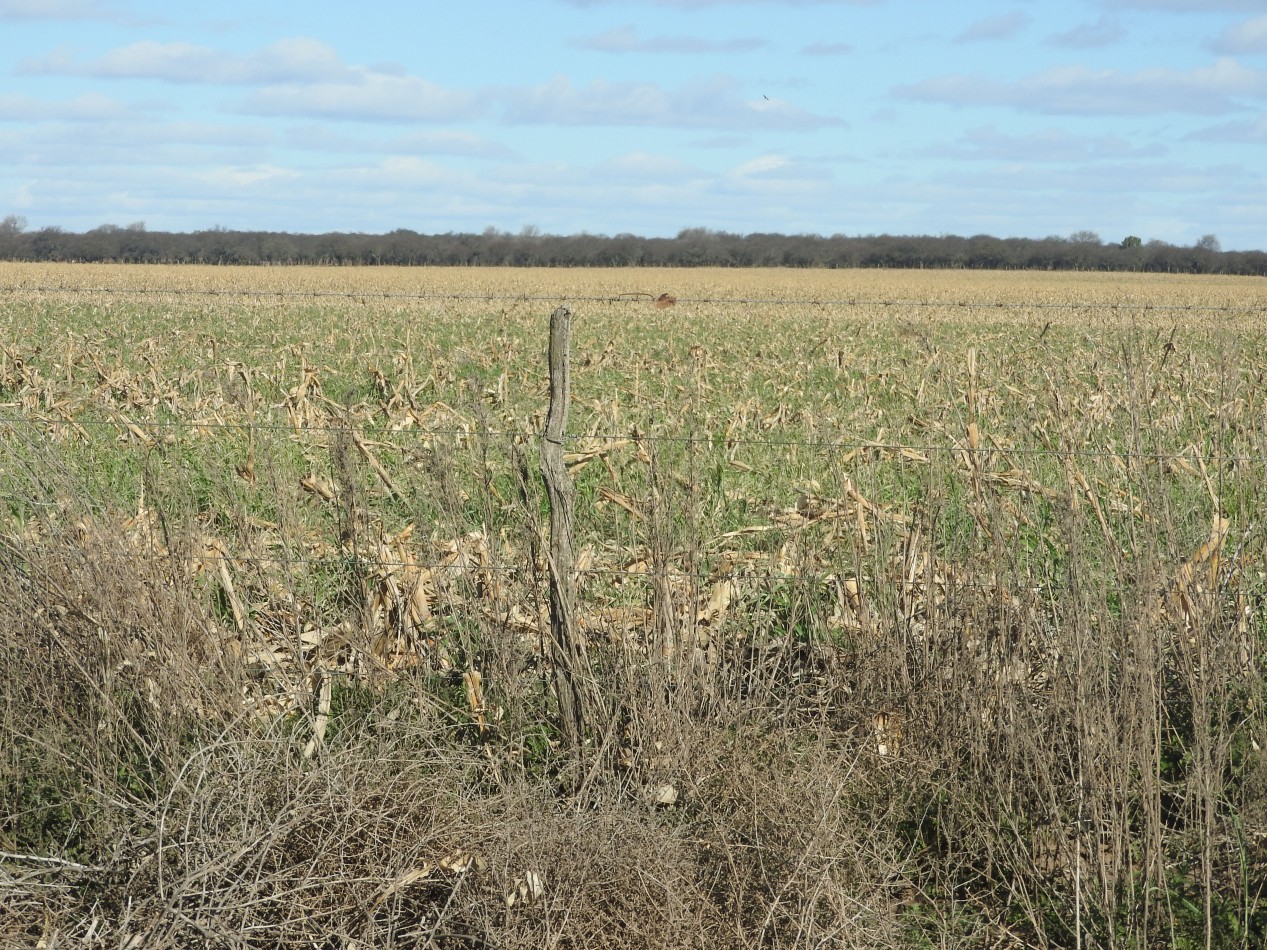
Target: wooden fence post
<point>567,650</point>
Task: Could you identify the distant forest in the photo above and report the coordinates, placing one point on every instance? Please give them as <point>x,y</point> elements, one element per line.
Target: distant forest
<point>693,247</point>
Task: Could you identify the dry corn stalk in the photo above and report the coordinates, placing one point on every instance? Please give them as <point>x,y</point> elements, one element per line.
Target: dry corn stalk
<point>1199,574</point>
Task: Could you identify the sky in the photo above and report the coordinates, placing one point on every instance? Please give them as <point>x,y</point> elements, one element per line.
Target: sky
<point>1026,118</point>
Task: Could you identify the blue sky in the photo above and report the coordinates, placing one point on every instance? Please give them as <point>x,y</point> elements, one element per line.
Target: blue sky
<point>1025,118</point>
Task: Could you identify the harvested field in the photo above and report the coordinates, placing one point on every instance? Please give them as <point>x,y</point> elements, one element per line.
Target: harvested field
<point>917,608</point>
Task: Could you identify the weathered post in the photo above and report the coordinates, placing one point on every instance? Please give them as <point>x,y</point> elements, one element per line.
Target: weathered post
<point>567,650</point>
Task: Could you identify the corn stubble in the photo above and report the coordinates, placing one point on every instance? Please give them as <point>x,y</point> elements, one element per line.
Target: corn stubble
<point>923,609</point>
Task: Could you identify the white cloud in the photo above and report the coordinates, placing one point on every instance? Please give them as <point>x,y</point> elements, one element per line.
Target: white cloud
<point>297,59</point>
<point>302,77</point>
<point>91,147</point>
<point>1052,145</point>
<point>327,139</point>
<point>654,195</point>
<point>450,142</point>
<point>1103,32</point>
<point>779,175</point>
<point>1253,132</point>
<point>1165,178</point>
<point>1079,90</point>
<point>333,140</point>
<point>1001,27</point>
<point>713,103</point>
<point>1187,6</point>
<point>247,176</point>
<point>725,140</point>
<point>87,108</point>
<point>646,167</point>
<point>625,39</point>
<point>700,4</point>
<point>761,166</point>
<point>1248,36</point>
<point>157,133</point>
<point>294,77</point>
<point>65,10</point>
<point>827,49</point>
<point>397,171</point>
<point>365,97</point>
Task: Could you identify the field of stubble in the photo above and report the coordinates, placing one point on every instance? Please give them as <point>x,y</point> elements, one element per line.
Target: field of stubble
<point>918,608</point>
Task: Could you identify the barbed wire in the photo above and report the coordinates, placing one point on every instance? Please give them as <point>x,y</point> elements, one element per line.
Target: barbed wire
<point>582,441</point>
<point>636,297</point>
<point>469,572</point>
<point>1037,582</point>
<point>585,442</point>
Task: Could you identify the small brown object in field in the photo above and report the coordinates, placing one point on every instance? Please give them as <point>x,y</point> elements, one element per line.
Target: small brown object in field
<point>664,300</point>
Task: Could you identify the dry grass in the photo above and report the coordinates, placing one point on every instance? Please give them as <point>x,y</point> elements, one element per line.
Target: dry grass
<point>961,575</point>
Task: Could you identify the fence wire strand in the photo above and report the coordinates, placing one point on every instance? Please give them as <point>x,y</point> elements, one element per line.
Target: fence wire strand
<point>469,571</point>
<point>129,426</point>
<point>584,441</point>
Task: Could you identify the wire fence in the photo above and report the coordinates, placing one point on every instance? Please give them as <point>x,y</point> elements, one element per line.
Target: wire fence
<point>871,455</point>
<point>342,554</point>
<point>587,440</point>
<point>808,580</point>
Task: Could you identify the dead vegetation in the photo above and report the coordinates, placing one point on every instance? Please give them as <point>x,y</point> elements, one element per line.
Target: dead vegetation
<point>906,624</point>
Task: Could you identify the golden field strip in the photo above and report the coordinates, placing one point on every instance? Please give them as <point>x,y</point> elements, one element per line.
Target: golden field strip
<point>1018,287</point>
<point>970,565</point>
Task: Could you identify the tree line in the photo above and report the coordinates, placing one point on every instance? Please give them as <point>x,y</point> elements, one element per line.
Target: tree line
<point>692,247</point>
